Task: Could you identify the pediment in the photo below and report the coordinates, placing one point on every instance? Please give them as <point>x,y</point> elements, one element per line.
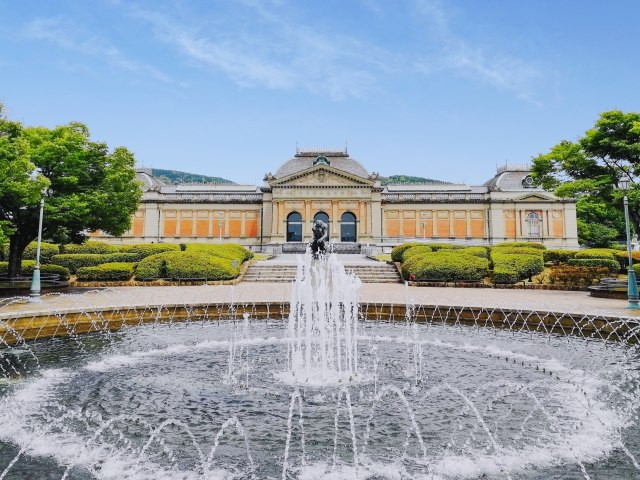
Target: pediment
<point>320,176</point>
<point>536,197</point>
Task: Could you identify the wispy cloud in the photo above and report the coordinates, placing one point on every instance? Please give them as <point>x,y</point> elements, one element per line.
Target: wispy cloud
<point>66,34</point>
<point>478,62</point>
<point>270,50</point>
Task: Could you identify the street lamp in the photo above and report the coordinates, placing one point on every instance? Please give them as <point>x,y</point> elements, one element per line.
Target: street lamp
<point>424,226</point>
<point>632,289</point>
<point>35,280</point>
<point>220,223</point>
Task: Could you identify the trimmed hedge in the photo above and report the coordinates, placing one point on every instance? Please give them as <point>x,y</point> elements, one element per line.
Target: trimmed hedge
<point>445,267</point>
<point>89,247</point>
<point>623,258</point>
<point>28,266</point>
<point>396,252</point>
<point>559,256</point>
<point>232,251</point>
<point>186,264</point>
<point>519,251</point>
<point>47,251</point>
<point>107,271</point>
<point>537,246</point>
<point>417,250</point>
<point>482,252</point>
<point>595,253</point>
<point>504,275</point>
<point>525,266</point>
<point>612,265</point>
<point>75,261</point>
<point>436,247</point>
<point>144,250</point>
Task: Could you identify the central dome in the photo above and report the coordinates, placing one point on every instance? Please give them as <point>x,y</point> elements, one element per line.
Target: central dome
<point>307,159</point>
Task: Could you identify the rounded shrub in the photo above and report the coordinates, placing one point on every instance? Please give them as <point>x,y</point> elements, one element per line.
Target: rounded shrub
<point>89,247</point>
<point>537,246</point>
<point>144,250</point>
<point>436,247</point>
<point>559,256</point>
<point>396,252</point>
<point>595,253</point>
<point>74,261</point>
<point>623,258</point>
<point>47,251</point>
<point>107,271</point>
<point>28,266</point>
<point>525,266</point>
<point>519,251</point>
<point>505,275</point>
<point>232,251</point>
<point>481,252</point>
<point>611,265</point>
<point>445,267</point>
<point>186,264</point>
<point>417,250</point>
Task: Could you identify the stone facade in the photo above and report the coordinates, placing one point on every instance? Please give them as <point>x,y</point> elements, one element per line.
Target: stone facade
<point>330,185</point>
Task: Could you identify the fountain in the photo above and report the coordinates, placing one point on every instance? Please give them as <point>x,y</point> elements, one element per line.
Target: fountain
<point>323,386</point>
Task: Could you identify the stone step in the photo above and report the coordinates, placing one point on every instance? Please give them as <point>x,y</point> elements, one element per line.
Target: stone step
<point>381,273</point>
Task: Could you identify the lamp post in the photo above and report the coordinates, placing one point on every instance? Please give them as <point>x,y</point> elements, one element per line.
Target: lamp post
<point>220,223</point>
<point>424,226</point>
<point>632,288</point>
<point>35,280</point>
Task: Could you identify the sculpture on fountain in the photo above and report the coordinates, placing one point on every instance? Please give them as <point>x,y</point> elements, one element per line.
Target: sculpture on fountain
<point>320,232</point>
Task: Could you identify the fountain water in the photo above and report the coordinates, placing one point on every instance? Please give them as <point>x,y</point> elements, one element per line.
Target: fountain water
<point>321,392</point>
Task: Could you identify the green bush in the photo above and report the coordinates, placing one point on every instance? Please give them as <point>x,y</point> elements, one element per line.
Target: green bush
<point>28,266</point>
<point>519,251</point>
<point>445,267</point>
<point>636,268</point>
<point>618,246</point>
<point>107,271</point>
<point>505,275</point>
<point>396,252</point>
<point>144,250</point>
<point>232,251</point>
<point>187,264</point>
<point>525,266</point>
<point>576,276</point>
<point>47,251</point>
<point>612,265</point>
<point>538,246</point>
<point>481,252</point>
<point>436,247</point>
<point>595,253</point>
<point>623,258</point>
<point>74,261</point>
<point>559,256</point>
<point>89,248</point>
<point>417,250</point>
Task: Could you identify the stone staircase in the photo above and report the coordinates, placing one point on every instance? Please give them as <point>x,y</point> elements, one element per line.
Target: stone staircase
<point>374,273</point>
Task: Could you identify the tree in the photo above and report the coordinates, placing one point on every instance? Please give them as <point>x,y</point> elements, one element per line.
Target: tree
<point>590,169</point>
<point>86,187</point>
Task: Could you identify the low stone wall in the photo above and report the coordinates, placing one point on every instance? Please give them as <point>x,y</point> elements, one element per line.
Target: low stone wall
<point>22,326</point>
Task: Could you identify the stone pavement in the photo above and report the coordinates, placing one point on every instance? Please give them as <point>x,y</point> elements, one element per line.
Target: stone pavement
<point>247,293</point>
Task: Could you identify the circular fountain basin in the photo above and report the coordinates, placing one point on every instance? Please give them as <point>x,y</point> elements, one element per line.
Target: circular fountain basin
<point>215,400</point>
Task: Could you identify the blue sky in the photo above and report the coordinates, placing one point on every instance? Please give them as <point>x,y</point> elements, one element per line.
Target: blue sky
<point>444,89</point>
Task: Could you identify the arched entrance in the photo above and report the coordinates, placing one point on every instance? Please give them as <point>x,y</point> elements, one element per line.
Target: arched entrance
<point>533,219</point>
<point>294,227</point>
<point>348,227</point>
<point>322,216</point>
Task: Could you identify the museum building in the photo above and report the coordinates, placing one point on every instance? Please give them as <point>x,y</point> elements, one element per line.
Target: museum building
<point>329,185</point>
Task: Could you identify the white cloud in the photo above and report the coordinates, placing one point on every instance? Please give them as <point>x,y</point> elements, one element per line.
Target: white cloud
<point>68,35</point>
<point>279,53</point>
<point>481,63</point>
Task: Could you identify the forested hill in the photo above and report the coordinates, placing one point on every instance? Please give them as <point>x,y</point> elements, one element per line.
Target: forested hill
<point>173,177</point>
<point>405,179</point>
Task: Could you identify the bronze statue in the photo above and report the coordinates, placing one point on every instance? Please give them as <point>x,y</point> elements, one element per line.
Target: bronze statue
<point>320,232</point>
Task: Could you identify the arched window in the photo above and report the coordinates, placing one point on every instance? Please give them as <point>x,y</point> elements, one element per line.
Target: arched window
<point>321,216</point>
<point>533,219</point>
<point>294,227</point>
<point>348,226</point>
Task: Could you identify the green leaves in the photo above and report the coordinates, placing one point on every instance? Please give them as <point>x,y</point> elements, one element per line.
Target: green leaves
<point>589,169</point>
